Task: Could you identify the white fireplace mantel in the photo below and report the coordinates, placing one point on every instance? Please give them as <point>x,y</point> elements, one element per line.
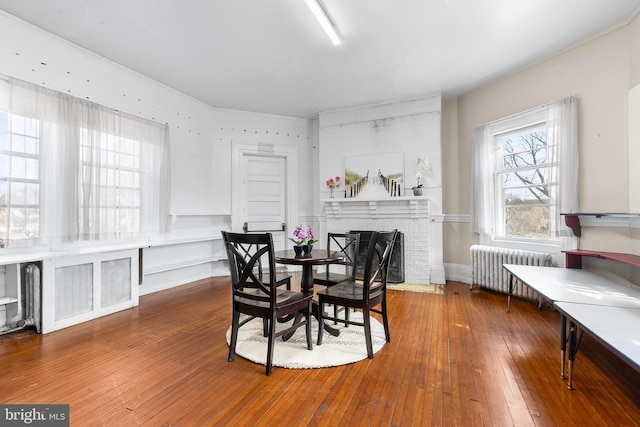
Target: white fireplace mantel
<point>393,207</point>
<point>410,215</point>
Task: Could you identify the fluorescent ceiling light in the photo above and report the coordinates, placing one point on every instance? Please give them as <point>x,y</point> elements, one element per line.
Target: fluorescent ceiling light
<point>323,19</point>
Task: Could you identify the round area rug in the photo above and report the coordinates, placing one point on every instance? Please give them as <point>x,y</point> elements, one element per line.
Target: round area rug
<point>348,347</point>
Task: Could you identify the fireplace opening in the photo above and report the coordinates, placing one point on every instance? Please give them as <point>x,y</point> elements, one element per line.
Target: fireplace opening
<point>396,263</point>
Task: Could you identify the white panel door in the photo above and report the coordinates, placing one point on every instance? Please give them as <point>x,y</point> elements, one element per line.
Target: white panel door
<point>264,205</point>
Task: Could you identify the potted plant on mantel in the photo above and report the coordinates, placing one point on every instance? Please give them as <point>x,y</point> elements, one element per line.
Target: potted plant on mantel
<point>422,167</point>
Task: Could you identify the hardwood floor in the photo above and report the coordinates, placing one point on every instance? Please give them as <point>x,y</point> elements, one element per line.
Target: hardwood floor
<point>456,359</point>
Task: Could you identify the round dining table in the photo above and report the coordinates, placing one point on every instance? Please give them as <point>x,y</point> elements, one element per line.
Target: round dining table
<point>307,261</point>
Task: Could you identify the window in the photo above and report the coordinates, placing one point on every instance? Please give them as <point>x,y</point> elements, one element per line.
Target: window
<point>524,175</point>
<point>523,184</point>
<point>72,171</point>
<point>115,165</point>
<point>19,179</point>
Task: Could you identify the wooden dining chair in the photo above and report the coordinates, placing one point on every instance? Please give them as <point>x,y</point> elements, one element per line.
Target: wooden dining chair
<point>257,295</point>
<point>348,244</point>
<point>282,278</point>
<point>366,296</point>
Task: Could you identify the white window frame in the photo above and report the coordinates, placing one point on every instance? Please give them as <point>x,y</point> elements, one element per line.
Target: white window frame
<point>533,118</point>
<point>11,179</point>
<point>108,167</point>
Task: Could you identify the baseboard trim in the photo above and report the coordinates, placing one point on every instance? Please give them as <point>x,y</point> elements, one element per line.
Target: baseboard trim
<point>458,273</point>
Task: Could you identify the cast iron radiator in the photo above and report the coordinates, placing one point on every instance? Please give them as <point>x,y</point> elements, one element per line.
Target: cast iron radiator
<point>487,271</point>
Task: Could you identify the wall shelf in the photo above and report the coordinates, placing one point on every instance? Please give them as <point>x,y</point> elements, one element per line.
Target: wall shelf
<point>574,258</point>
<point>572,220</point>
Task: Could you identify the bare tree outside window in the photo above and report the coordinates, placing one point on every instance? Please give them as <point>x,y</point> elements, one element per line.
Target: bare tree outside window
<point>524,182</point>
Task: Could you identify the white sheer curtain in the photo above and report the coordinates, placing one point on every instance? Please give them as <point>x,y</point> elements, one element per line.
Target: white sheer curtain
<point>122,179</point>
<point>562,137</point>
<point>103,175</point>
<point>562,144</point>
<point>483,197</point>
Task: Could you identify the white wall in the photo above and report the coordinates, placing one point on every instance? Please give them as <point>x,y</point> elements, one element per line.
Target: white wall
<point>201,136</point>
<point>634,149</point>
<point>407,129</point>
<point>410,127</point>
<point>598,72</point>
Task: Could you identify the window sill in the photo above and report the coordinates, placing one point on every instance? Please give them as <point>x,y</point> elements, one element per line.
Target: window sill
<point>551,246</point>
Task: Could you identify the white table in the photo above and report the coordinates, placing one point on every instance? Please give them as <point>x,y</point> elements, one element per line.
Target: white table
<point>573,285</point>
<point>597,305</point>
<point>614,327</point>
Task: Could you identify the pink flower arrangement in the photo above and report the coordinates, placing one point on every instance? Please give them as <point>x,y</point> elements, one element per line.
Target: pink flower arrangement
<point>300,237</point>
<point>333,182</point>
<point>311,239</point>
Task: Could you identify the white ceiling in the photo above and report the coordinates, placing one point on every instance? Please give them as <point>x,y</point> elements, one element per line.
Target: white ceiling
<point>271,56</point>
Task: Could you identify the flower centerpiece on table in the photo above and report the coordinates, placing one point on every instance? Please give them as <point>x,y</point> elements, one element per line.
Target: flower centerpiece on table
<point>333,183</point>
<point>303,240</point>
<point>311,239</point>
<point>422,167</point>
<point>299,236</point>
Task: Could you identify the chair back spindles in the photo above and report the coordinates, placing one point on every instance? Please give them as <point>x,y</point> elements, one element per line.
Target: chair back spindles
<point>246,271</point>
<point>348,244</point>
<point>377,264</point>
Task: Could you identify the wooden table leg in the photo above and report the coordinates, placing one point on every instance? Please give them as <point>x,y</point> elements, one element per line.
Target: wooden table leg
<point>306,285</point>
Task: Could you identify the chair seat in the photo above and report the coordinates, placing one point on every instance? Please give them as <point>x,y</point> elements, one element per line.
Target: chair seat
<point>330,278</point>
<point>284,298</point>
<point>344,290</point>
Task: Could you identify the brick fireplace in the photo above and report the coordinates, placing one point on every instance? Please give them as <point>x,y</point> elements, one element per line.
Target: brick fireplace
<point>422,231</point>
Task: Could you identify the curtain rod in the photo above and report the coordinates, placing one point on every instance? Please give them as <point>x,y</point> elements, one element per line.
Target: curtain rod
<point>525,111</point>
